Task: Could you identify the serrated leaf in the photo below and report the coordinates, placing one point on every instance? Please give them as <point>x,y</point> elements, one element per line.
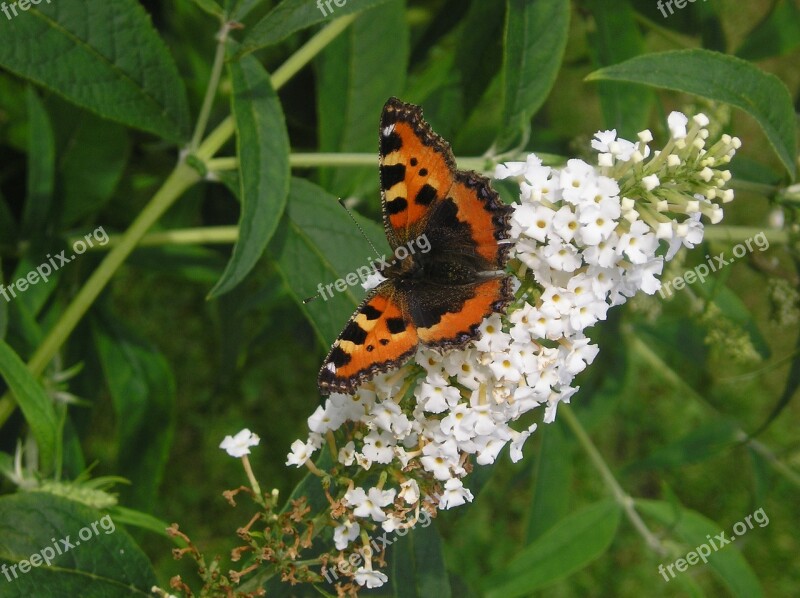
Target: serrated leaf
<point>535,40</point>
<point>693,529</point>
<point>103,56</point>
<point>626,107</point>
<point>568,546</point>
<point>777,34</point>
<point>356,73</point>
<point>418,566</point>
<point>317,244</point>
<point>36,406</point>
<point>293,15</point>
<point>143,394</point>
<point>105,562</point>
<point>262,145</point>
<point>720,78</point>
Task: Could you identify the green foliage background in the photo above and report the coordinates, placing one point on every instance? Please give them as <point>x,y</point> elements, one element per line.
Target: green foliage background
<point>193,327</point>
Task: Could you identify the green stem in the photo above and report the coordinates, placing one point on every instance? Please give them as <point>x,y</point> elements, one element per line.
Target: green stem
<point>181,178</point>
<point>317,159</point>
<point>208,235</point>
<point>211,90</point>
<point>735,234</point>
<point>622,498</point>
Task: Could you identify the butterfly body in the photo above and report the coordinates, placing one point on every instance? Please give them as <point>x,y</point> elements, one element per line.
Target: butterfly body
<point>437,295</point>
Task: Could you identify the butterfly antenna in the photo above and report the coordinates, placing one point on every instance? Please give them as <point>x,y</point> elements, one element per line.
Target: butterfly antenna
<point>358,226</point>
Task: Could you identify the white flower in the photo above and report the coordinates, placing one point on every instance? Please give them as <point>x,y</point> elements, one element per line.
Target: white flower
<point>409,491</point>
<point>345,533</point>
<point>239,445</point>
<point>370,578</point>
<point>676,121</point>
<point>301,452</point>
<point>369,504</point>
<point>379,447</point>
<point>454,494</point>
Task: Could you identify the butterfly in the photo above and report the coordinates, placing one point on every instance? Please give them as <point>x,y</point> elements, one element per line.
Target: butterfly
<point>436,298</point>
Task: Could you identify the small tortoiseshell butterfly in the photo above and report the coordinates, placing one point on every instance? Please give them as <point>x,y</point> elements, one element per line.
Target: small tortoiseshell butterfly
<point>437,298</point>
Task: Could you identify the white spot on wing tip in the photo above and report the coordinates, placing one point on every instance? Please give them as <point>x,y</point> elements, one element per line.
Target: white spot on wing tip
<point>388,130</point>
<point>330,367</point>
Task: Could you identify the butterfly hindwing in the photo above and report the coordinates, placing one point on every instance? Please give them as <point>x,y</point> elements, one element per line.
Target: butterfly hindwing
<point>449,320</point>
<point>379,336</point>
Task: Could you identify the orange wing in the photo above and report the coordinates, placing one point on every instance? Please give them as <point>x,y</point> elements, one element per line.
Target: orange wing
<point>417,170</point>
<point>378,337</point>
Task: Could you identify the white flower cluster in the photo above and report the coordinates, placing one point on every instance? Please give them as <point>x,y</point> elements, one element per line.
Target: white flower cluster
<point>586,238</point>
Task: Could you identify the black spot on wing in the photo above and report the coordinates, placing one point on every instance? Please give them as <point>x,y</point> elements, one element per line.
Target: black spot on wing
<point>425,195</point>
<point>393,174</point>
<point>371,313</point>
<point>397,205</point>
<point>339,357</point>
<point>354,333</point>
<point>390,143</point>
<point>395,325</point>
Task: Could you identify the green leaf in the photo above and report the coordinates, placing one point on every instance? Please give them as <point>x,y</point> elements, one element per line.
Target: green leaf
<point>103,56</point>
<point>34,404</point>
<point>700,444</point>
<point>776,35</point>
<point>210,7</point>
<point>41,168</point>
<point>552,483</point>
<point>317,244</point>
<point>356,73</point>
<point>262,145</point>
<point>92,156</point>
<point>293,15</point>
<point>723,79</point>
<point>417,562</point>
<point>568,546</point>
<point>535,40</point>
<point>693,529</point>
<point>478,51</point>
<point>626,107</point>
<point>143,394</point>
<point>99,558</point>
<point>144,521</point>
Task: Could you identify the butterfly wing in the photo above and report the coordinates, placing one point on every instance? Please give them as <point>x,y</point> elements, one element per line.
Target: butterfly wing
<point>416,170</point>
<point>379,336</point>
